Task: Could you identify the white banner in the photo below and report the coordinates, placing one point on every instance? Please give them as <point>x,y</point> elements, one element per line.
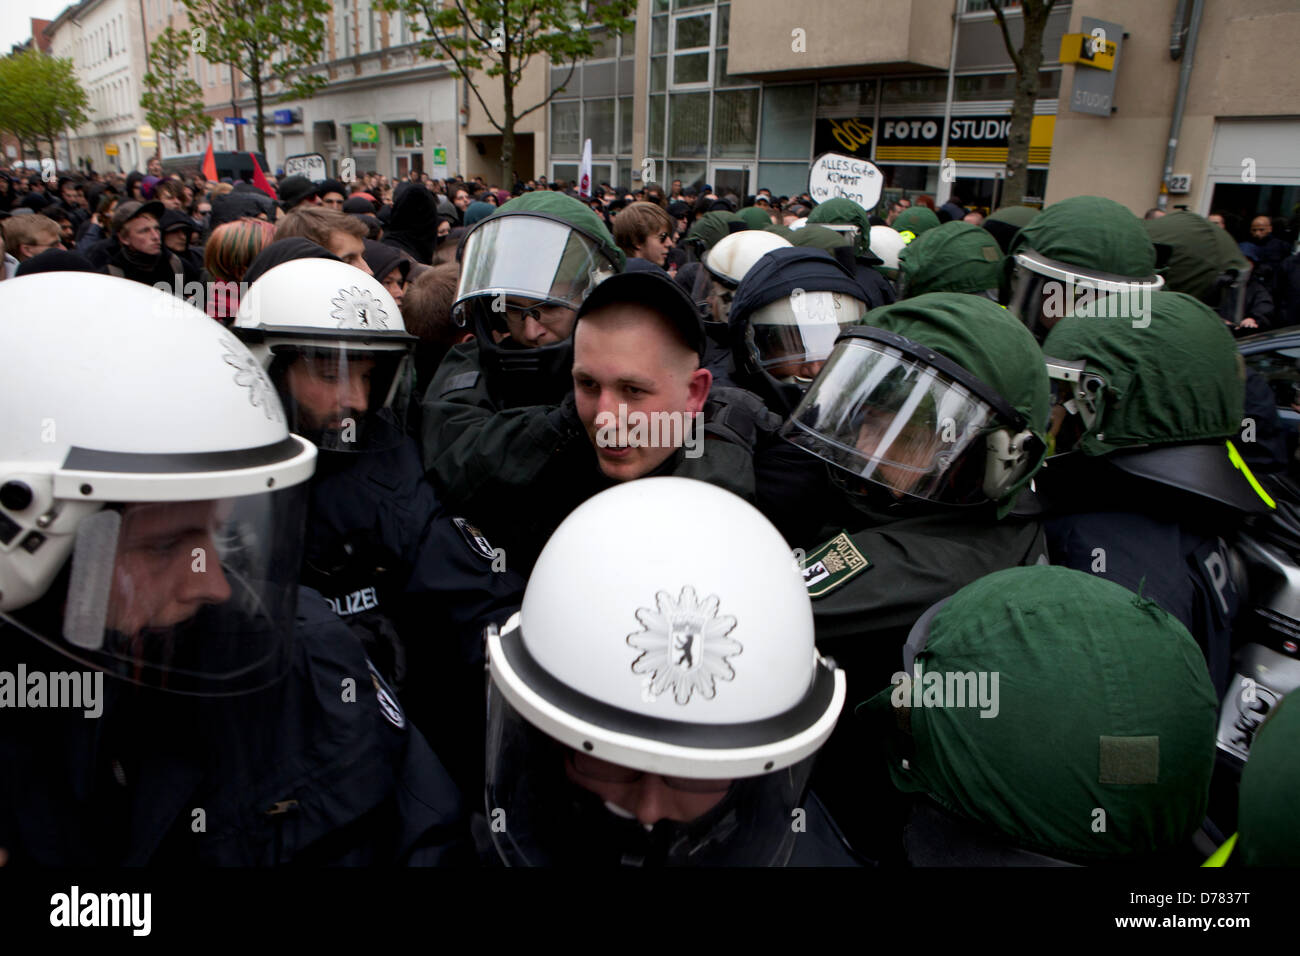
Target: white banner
<point>584,172</point>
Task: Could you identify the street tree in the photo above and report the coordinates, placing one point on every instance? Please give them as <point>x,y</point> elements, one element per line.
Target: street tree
<point>172,98</point>
<point>495,40</point>
<point>40,98</point>
<point>1027,57</point>
<point>280,40</point>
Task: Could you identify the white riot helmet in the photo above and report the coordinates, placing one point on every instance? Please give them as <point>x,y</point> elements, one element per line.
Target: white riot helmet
<point>725,265</point>
<point>332,340</point>
<point>886,243</point>
<point>641,654</point>
<point>151,495</point>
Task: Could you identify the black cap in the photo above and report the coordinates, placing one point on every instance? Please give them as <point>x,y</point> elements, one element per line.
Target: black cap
<point>294,190</point>
<point>656,291</point>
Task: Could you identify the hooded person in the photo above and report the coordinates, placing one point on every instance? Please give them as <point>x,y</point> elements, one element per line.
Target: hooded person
<point>853,222</point>
<point>1007,221</point>
<point>955,257</point>
<point>412,226</point>
<point>477,211</point>
<point>1086,255</point>
<point>1123,719</point>
<point>391,269</point>
<point>1205,263</point>
<point>175,223</point>
<point>1144,463</point>
<point>932,423</point>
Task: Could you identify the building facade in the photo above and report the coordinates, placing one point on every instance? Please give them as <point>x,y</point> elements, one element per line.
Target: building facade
<point>105,40</point>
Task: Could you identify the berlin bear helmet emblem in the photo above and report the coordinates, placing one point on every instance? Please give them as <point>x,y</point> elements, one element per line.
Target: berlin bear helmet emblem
<point>357,309</point>
<point>684,645</point>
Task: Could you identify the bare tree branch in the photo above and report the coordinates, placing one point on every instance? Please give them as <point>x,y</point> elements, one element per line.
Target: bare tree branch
<point>1006,35</point>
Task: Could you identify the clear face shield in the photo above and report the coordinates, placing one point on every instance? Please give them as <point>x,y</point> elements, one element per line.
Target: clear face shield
<point>1043,291</point>
<point>714,292</point>
<point>530,259</point>
<point>344,397</point>
<point>792,337</point>
<point>922,428</point>
<point>190,597</point>
<point>565,808</point>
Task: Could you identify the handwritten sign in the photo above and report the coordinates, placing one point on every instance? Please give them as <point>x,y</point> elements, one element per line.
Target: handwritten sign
<point>311,165</point>
<point>834,174</point>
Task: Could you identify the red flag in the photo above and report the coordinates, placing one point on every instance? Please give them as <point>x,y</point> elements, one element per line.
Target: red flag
<point>259,180</point>
<point>210,165</point>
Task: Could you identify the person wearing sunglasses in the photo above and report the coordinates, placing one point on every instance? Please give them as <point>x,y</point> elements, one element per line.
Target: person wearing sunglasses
<point>672,716</point>
<point>644,230</point>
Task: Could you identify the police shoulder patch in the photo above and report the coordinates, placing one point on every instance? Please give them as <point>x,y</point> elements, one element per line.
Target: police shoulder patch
<point>832,564</point>
<point>474,538</point>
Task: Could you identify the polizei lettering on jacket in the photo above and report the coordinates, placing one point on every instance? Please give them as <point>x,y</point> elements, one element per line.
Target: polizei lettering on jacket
<point>354,603</point>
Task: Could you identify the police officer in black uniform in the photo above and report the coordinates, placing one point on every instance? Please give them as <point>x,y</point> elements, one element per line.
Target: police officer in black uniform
<point>185,701</point>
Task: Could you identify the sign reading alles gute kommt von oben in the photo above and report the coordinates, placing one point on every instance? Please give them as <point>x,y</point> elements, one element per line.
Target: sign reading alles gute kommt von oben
<point>833,175</point>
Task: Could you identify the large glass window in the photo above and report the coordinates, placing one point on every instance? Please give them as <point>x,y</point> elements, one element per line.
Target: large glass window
<point>599,125</point>
<point>564,128</point>
<point>787,122</point>
<point>692,49</point>
<point>784,179</point>
<point>657,118</point>
<point>625,124</point>
<point>688,124</point>
<point>735,124</point>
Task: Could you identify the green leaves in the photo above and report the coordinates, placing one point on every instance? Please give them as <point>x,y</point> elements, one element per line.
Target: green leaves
<point>40,96</point>
<point>280,40</point>
<point>172,98</point>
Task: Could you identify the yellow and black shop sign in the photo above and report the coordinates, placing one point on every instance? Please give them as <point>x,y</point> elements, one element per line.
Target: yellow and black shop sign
<point>971,139</point>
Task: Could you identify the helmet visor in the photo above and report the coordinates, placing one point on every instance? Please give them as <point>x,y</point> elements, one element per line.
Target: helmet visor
<point>564,808</point>
<point>531,257</point>
<point>189,597</point>
<point>892,419</point>
<point>715,293</point>
<point>344,398</point>
<point>794,336</point>
<point>1043,291</point>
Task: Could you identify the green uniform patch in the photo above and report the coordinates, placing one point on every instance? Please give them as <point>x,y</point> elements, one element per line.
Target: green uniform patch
<point>832,564</point>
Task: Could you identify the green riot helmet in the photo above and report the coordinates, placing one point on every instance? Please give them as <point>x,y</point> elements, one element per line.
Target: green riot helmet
<point>944,401</point>
<point>525,270</point>
<point>1085,256</point>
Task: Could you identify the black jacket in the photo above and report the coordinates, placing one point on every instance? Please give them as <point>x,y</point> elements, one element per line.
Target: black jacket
<point>296,773</point>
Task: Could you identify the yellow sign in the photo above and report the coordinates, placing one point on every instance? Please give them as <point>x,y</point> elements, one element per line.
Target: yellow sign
<point>110,150</point>
<point>1088,49</point>
<point>147,137</point>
